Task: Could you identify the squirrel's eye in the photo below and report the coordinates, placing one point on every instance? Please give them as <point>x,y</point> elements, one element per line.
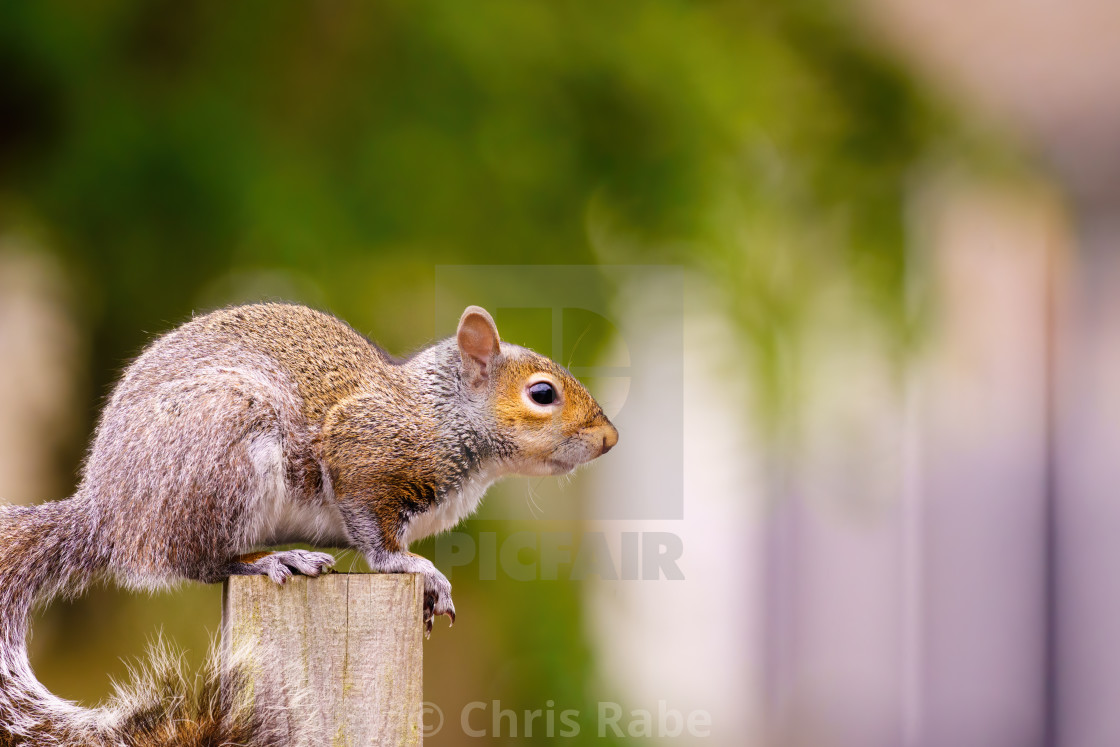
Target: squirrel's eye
<point>542,393</point>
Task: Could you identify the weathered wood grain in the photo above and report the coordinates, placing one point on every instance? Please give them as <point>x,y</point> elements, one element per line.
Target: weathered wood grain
<point>347,646</point>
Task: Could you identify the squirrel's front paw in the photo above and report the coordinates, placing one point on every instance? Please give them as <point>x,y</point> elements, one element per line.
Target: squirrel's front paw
<point>437,589</point>
<point>437,599</point>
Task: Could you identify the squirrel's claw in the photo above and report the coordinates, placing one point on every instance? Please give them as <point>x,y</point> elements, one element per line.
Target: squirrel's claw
<point>430,618</point>
<point>436,604</point>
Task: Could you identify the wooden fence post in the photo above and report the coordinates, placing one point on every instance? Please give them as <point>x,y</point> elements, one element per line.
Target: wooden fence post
<point>350,644</point>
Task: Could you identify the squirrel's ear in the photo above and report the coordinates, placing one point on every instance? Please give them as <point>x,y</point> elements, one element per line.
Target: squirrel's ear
<point>478,344</point>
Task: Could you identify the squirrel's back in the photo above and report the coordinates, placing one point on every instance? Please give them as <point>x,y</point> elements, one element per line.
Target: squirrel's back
<point>324,356</point>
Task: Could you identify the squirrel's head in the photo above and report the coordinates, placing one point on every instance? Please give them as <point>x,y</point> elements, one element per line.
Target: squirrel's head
<point>542,412</point>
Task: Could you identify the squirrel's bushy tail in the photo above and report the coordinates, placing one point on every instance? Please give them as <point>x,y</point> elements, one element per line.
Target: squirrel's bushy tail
<point>161,708</point>
<point>35,565</point>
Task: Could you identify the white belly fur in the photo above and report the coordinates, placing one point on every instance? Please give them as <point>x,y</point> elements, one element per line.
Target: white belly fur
<point>281,518</point>
<point>455,506</point>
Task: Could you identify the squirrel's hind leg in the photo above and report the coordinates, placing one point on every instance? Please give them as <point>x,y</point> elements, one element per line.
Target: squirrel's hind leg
<point>279,566</point>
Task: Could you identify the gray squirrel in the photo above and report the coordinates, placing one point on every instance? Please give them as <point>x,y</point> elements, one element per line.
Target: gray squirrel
<point>269,424</point>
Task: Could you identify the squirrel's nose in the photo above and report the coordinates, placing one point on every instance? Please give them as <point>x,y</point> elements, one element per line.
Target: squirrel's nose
<point>610,438</point>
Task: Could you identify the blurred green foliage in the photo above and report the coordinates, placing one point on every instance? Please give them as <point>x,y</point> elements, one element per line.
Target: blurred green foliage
<point>181,155</point>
